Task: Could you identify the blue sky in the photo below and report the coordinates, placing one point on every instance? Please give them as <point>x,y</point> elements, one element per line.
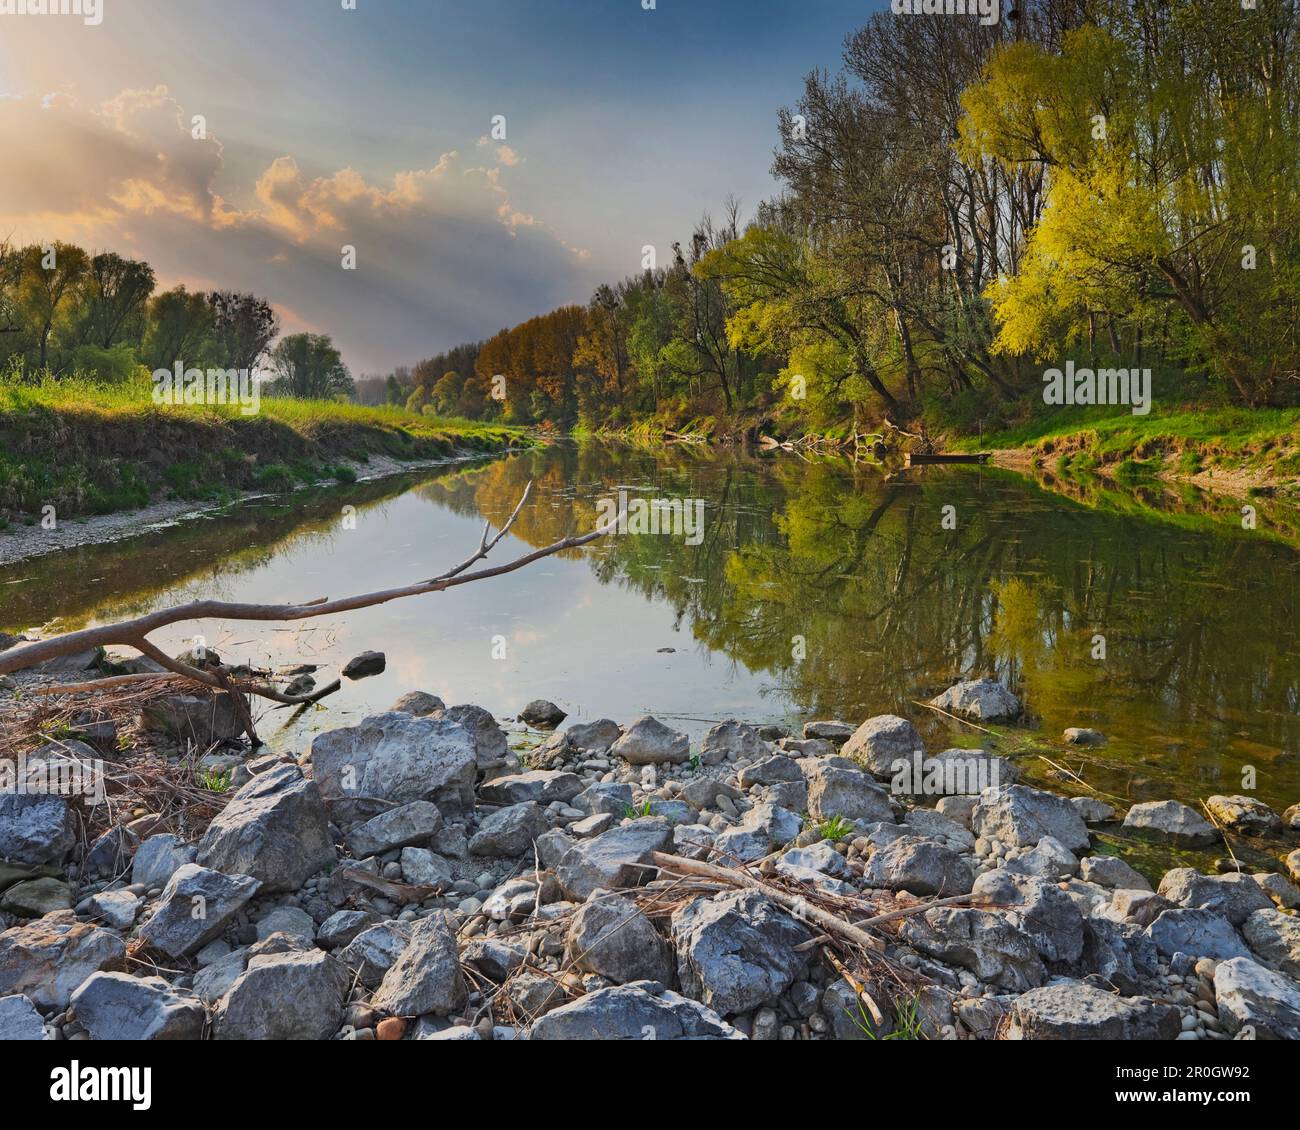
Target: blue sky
<point>623,125</point>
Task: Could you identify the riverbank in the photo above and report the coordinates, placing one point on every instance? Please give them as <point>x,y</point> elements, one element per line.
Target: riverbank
<point>596,880</point>
<point>87,450</point>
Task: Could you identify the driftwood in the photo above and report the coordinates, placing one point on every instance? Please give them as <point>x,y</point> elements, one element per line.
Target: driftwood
<point>134,633</point>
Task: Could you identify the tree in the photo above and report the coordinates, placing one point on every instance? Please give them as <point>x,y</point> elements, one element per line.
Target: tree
<point>243,327</point>
<point>179,330</point>
<point>309,367</point>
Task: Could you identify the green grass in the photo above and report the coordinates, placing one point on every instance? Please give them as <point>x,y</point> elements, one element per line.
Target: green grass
<point>836,828</point>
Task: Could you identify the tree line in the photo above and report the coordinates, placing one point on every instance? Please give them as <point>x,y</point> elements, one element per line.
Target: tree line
<point>1112,181</point>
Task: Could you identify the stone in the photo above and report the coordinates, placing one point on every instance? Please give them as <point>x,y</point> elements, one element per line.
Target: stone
<point>117,908</point>
<point>731,740</point>
<point>1081,735</point>
<point>1235,896</point>
<point>1167,819</point>
<point>1248,994</point>
<point>274,829</point>
<point>423,868</point>
<point>1119,955</point>
<point>1138,905</point>
<point>1111,871</point>
<point>881,741</point>
<point>36,898</point>
<point>736,951</point>
<point>157,860</point>
<point>958,809</point>
<point>980,941</point>
<point>427,977</point>
<point>1197,933</point>
<point>1281,890</point>
<point>611,937</point>
<point>418,703</point>
<point>770,771</point>
<point>922,867</point>
<point>1044,913</point>
<point>46,961</point>
<point>290,920</point>
<point>1244,814</point>
<point>399,758</point>
<point>1275,938</point>
<point>820,858</point>
<point>1020,816</point>
<point>984,700</point>
<point>846,793</point>
<point>115,1006</point>
<point>19,1019</point>
<point>763,828</point>
<point>951,772</point>
<point>1072,1010</point>
<point>1291,818</point>
<point>364,665</point>
<point>342,926</point>
<point>613,797</point>
<point>509,831</point>
<point>173,927</point>
<point>641,1011</point>
<point>1048,859</point>
<point>490,742</point>
<point>590,826</point>
<point>1292,862</point>
<point>513,900</point>
<point>614,860</point>
<point>593,738</point>
<point>494,958</point>
<point>541,786</point>
<point>36,828</point>
<point>693,841</point>
<point>202,721</point>
<point>407,824</point>
<point>110,855</point>
<point>1092,810</point>
<point>296,995</point>
<point>649,742</point>
<point>828,730</point>
<point>543,714</point>
<point>372,952</point>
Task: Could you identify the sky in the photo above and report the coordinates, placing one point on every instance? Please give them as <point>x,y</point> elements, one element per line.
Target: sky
<point>324,127</point>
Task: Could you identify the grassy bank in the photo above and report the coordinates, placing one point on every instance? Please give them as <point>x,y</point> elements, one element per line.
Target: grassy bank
<point>88,449</point>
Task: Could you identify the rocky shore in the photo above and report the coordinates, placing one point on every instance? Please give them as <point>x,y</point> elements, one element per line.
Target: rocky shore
<point>416,877</point>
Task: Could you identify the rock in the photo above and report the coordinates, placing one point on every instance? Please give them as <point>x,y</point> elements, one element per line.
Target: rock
<point>78,661</point>
<point>736,951</point>
<point>692,841</point>
<point>1020,816</point>
<point>1275,938</point>
<point>881,741</point>
<point>275,829</point>
<point>644,1011</point>
<point>613,860</point>
<point>542,714</point>
<point>1072,1010</point>
<point>157,859</point>
<point>590,826</point>
<point>1248,994</point>
<point>951,772</point>
<point>1197,933</point>
<point>1167,819</point>
<point>36,898</point>
<point>1140,906</point>
<point>36,828</point>
<point>399,758</point>
<point>423,868</point>
<point>731,739</point>
<point>541,786</point>
<point>110,855</point>
<point>342,926</point>
<point>1044,913</point>
<point>514,900</point>
<point>611,936</point>
<point>819,858</point>
<point>19,1019</point>
<point>1291,818</point>
<point>364,665</point>
<point>1081,735</point>
<point>413,823</point>
<point>1235,896</point>
<point>1092,810</point>
<point>118,908</point>
<point>763,828</point>
<point>828,730</point>
<point>770,771</point>
<point>427,977</point>
<point>1244,814</point>
<point>1049,859</point>
<point>493,958</point>
<point>1119,955</point>
<point>490,742</point>
<point>1292,862</point>
<point>958,809</point>
<point>291,920</point>
<point>195,907</point>
<point>372,952</point>
<point>592,738</point>
<point>922,867</point>
<point>1111,871</point>
<point>47,961</point>
<point>418,703</point>
<point>284,996</point>
<point>649,742</point>
<point>509,831</point>
<point>982,942</point>
<point>1281,890</point>
<point>202,721</point>
<point>604,796</point>
<point>985,700</point>
<point>115,1006</point>
<point>846,793</point>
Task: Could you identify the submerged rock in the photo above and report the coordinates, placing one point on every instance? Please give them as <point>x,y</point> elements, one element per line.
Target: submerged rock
<point>1168,819</point>
<point>985,700</point>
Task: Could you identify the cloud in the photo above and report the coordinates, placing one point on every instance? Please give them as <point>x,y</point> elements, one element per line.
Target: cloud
<point>443,253</point>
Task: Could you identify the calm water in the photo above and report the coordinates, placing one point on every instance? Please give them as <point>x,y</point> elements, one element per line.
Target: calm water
<point>817,590</point>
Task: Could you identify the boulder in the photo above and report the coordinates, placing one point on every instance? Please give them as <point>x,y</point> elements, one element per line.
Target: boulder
<point>1020,816</point>
<point>1141,906</point>
<point>611,936</point>
<point>1111,871</point>
<point>364,665</point>
<point>196,905</point>
<point>115,1006</point>
<point>157,859</point>
<point>543,714</point>
<point>295,995</point>
<point>761,829</point>
<point>922,867</point>
<point>649,742</point>
<point>1092,810</point>
<point>509,831</point>
<point>46,960</point>
<point>951,772</point>
<point>427,977</point>
<point>109,857</point>
<point>1197,933</point>
<point>342,926</point>
<point>613,860</point>
<point>612,797</point>
<point>769,771</point>
<point>1072,1010</point>
<point>397,757</point>
<point>203,721</point>
<point>1169,820</point>
<point>1244,814</point>
<point>118,908</point>
<point>881,741</point>
<point>412,823</point>
<point>275,829</point>
<point>541,786</point>
<point>1248,995</point>
<point>424,868</point>
<point>731,740</point>
<point>36,898</point>
<point>1236,896</point>
<point>828,730</point>
<point>373,951</point>
<point>1281,890</point>
<point>736,951</point>
<point>1275,938</point>
<point>1048,859</point>
<point>846,793</point>
<point>19,1019</point>
<point>36,828</point>
<point>418,703</point>
<point>1081,735</point>
<point>933,825</point>
<point>291,920</point>
<point>1044,913</point>
<point>644,1011</point>
<point>985,700</point>
<point>982,942</point>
